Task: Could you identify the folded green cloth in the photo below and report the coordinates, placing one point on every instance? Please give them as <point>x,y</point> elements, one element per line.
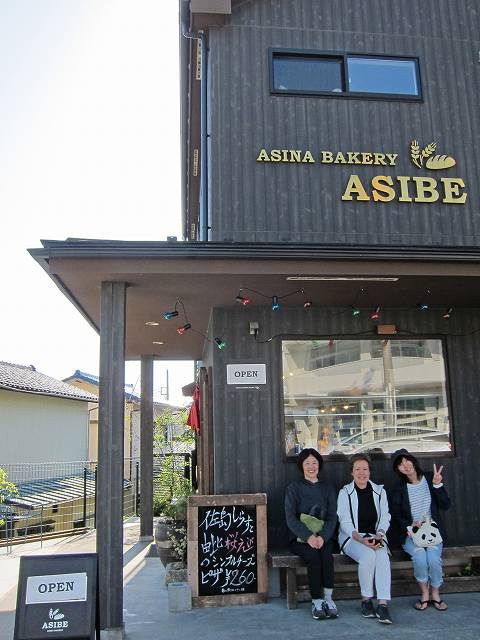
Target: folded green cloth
<point>311,522</point>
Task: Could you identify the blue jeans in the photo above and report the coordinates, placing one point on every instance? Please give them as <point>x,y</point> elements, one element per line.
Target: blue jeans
<point>427,563</point>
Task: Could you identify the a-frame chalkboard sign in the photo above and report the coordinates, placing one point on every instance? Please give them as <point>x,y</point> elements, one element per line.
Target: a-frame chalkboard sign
<point>227,549</point>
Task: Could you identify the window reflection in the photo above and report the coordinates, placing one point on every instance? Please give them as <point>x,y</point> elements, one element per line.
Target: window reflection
<point>353,395</point>
<point>377,75</point>
<point>304,73</point>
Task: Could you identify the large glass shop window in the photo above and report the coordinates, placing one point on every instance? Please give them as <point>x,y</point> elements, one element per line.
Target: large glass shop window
<point>347,396</point>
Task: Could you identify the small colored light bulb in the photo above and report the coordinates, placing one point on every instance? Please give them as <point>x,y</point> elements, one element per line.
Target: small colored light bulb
<point>181,330</point>
<point>375,315</point>
<point>220,343</point>
<point>244,300</point>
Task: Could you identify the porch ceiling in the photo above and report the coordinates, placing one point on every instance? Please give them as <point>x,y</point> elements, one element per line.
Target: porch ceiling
<point>210,275</point>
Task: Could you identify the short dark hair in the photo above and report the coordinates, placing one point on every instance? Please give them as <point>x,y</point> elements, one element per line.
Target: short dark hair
<point>360,456</point>
<point>407,456</point>
<point>303,455</point>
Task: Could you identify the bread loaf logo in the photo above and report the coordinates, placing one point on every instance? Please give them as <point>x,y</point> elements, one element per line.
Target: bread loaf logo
<point>425,157</point>
<point>56,622</point>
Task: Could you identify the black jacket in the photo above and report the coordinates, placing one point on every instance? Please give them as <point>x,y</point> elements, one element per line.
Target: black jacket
<point>400,506</point>
<point>318,499</point>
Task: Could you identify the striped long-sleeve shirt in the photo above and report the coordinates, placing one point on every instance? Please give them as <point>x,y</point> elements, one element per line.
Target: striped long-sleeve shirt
<point>420,500</point>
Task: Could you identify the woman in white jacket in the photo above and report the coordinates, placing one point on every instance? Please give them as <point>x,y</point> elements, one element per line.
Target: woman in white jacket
<point>364,520</point>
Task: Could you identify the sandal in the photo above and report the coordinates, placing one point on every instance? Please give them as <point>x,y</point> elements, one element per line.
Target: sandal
<point>437,604</point>
<point>421,605</point>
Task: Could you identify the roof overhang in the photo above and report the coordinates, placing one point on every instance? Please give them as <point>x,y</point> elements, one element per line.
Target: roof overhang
<point>208,275</point>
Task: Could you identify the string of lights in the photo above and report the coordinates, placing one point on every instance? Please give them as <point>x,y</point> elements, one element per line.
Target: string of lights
<point>275,300</point>
<point>355,309</point>
<point>187,326</point>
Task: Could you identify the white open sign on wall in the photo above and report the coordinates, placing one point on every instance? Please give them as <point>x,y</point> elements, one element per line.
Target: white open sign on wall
<point>66,587</point>
<point>246,374</point>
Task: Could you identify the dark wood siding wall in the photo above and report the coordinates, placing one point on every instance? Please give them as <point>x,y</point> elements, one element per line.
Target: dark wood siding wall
<point>269,202</point>
<point>248,434</point>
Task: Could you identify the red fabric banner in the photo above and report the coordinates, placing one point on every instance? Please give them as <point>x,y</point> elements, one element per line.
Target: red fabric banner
<point>193,419</point>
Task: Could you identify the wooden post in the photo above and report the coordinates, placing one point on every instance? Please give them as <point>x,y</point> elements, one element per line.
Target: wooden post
<point>146,450</point>
<point>291,588</point>
<point>110,459</point>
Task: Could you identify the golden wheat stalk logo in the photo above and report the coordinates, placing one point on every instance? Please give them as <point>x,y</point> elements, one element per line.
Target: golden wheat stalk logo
<point>418,156</point>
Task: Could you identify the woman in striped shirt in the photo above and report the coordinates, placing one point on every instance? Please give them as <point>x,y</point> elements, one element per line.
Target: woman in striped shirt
<point>420,495</point>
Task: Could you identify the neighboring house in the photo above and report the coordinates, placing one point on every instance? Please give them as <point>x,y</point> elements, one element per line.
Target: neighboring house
<point>90,383</point>
<point>41,419</point>
<point>56,504</point>
<point>50,504</point>
<point>171,430</point>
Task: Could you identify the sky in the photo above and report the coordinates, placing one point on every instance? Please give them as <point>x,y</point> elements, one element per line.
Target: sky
<point>89,148</point>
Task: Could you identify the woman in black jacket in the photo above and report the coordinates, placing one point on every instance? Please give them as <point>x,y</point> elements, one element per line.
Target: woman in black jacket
<point>315,497</point>
<point>420,495</point>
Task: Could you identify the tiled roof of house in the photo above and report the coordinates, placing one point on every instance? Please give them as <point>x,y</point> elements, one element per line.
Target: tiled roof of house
<point>44,492</point>
<point>129,388</point>
<point>89,377</point>
<point>16,377</point>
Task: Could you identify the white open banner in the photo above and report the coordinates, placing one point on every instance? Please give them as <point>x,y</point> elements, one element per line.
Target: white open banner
<point>65,587</point>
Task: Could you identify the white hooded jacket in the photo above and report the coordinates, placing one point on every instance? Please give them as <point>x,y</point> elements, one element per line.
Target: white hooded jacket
<point>347,511</point>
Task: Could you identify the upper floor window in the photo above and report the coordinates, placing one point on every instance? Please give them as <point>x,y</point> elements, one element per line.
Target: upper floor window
<point>301,72</point>
<point>313,74</point>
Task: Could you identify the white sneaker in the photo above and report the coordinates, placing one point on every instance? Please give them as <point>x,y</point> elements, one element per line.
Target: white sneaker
<point>319,613</point>
<point>331,610</point>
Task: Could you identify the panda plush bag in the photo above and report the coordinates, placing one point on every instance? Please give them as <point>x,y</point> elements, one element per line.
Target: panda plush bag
<point>427,535</point>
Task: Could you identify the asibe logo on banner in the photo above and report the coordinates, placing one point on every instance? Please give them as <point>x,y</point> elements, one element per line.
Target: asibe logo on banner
<point>56,621</point>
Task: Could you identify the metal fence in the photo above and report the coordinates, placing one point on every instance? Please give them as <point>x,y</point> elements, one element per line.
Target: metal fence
<point>59,498</point>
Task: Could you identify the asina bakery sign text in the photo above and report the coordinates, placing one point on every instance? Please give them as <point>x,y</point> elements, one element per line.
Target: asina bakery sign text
<point>384,188</point>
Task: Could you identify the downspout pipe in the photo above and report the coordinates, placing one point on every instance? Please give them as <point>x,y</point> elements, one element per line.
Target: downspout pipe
<point>204,226</point>
<point>203,209</point>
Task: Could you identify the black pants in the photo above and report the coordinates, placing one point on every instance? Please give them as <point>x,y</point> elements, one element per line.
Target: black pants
<point>319,566</point>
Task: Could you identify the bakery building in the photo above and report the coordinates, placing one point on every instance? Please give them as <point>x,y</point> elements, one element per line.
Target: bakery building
<point>328,282</point>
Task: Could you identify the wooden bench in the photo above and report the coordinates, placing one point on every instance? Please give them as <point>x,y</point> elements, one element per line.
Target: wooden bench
<point>346,576</point>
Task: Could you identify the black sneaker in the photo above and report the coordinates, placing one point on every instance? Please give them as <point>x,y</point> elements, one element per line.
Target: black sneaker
<point>319,614</point>
<point>330,609</point>
<point>367,609</point>
<point>383,615</point>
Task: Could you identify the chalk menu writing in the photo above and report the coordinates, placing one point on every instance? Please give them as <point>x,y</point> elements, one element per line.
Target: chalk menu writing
<point>227,550</point>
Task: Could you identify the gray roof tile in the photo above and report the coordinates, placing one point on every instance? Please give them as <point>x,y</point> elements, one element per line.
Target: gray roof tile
<point>45,492</point>
<point>16,377</point>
